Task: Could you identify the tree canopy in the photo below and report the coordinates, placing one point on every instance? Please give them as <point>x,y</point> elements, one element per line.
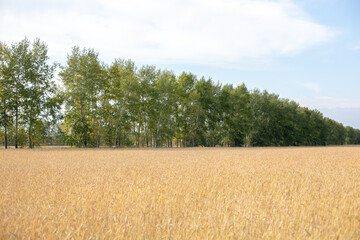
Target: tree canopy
<point>121,105</point>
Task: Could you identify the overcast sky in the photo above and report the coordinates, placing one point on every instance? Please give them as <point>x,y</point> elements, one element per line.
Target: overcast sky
<point>305,50</point>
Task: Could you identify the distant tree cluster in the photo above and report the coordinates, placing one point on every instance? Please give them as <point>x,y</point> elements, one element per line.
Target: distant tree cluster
<point>28,95</point>
<point>122,106</point>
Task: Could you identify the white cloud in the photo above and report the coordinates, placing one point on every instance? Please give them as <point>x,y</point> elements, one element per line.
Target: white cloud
<point>323,102</point>
<point>312,86</point>
<point>356,48</point>
<point>197,31</point>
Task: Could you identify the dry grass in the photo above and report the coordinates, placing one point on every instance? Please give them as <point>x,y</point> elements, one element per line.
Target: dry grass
<point>268,193</point>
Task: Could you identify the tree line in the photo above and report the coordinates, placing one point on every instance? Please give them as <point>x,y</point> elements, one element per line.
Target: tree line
<point>121,105</point>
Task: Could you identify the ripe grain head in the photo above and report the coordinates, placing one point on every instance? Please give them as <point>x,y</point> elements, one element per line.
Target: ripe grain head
<point>219,193</point>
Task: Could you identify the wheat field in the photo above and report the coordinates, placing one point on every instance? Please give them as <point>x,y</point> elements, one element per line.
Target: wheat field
<point>200,193</point>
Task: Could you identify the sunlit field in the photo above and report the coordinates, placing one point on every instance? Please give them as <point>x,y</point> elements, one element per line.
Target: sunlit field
<point>200,193</point>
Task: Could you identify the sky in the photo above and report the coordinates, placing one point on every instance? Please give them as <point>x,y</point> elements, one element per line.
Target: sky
<point>305,50</point>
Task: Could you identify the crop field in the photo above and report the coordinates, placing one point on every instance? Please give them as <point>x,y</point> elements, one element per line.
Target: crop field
<point>199,193</point>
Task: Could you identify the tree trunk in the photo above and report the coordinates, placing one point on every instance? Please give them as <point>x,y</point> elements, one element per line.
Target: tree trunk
<point>6,141</point>
<point>139,134</point>
<point>146,134</point>
<point>116,135</point>
<point>30,142</point>
<point>16,127</point>
<point>118,129</point>
<point>157,136</point>
<point>118,139</point>
<point>134,129</point>
<point>82,122</point>
<point>98,137</point>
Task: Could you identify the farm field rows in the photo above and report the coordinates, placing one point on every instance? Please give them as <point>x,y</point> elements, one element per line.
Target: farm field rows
<point>197,193</point>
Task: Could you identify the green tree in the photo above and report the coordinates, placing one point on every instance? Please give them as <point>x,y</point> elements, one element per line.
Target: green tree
<point>164,101</point>
<point>123,106</point>
<point>82,79</point>
<point>14,63</point>
<point>206,118</point>
<point>262,122</point>
<point>5,94</point>
<point>186,105</point>
<point>118,123</point>
<point>336,132</point>
<point>147,77</point>
<point>132,102</point>
<point>351,135</point>
<point>240,118</point>
<point>40,90</point>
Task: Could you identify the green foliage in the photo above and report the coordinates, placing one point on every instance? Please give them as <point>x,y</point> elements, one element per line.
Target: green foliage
<point>83,81</point>
<point>27,89</point>
<point>120,105</point>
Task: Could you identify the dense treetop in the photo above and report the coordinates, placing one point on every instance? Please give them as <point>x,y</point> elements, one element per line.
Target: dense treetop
<point>122,105</point>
